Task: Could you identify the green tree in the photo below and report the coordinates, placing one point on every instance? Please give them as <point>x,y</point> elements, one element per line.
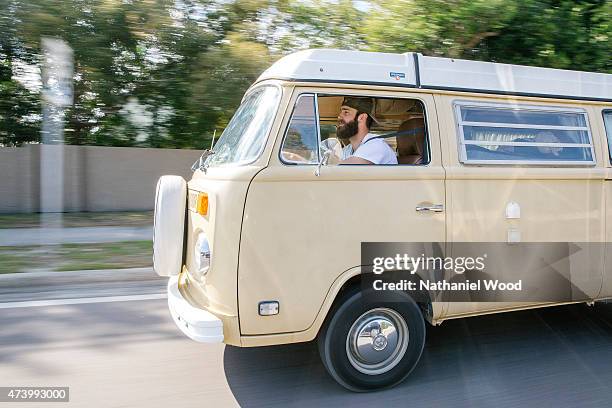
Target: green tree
<point>167,74</point>
<point>19,105</point>
<point>556,33</point>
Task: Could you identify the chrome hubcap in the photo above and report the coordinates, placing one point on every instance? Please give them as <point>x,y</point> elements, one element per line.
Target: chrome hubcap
<point>377,341</point>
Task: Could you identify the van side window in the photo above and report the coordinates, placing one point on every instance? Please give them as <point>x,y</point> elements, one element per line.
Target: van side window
<point>301,139</point>
<point>399,122</point>
<point>511,134</point>
<point>607,115</point>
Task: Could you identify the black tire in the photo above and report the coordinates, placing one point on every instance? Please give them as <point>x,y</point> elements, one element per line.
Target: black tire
<point>334,348</point>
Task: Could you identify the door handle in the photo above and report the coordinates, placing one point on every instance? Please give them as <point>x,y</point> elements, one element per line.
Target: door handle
<point>430,207</point>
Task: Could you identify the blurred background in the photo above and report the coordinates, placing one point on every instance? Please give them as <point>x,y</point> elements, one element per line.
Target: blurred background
<point>100,98</point>
<point>166,74</point>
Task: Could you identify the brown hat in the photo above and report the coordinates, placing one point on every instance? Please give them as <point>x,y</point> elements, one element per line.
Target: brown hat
<point>362,104</point>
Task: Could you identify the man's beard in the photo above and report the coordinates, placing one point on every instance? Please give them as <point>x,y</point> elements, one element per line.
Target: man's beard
<point>347,130</point>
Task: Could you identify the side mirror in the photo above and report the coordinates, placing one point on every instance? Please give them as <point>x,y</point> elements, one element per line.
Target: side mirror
<point>323,162</point>
<point>325,157</point>
<point>198,163</point>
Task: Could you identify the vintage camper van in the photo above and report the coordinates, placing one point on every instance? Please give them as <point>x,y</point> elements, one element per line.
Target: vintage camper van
<point>263,245</point>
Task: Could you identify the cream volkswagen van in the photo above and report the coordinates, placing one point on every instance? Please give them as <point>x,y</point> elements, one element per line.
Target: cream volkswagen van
<point>263,245</point>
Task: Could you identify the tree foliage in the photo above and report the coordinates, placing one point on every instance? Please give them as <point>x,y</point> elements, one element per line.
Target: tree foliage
<point>168,73</point>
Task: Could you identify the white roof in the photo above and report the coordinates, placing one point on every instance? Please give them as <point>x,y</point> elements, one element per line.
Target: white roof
<point>416,70</point>
<point>344,66</point>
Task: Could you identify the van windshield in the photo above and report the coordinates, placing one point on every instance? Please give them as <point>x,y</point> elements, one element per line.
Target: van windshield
<point>244,137</point>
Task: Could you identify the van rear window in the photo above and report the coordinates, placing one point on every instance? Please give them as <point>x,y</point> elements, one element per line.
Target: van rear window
<point>514,134</point>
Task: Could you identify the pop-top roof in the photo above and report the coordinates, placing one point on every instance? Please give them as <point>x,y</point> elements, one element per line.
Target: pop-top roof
<point>416,70</point>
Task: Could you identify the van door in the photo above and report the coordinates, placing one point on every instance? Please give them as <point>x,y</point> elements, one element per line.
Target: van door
<point>303,226</point>
<point>520,173</point>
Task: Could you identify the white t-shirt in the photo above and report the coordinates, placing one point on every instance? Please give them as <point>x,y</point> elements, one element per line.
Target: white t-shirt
<point>376,150</point>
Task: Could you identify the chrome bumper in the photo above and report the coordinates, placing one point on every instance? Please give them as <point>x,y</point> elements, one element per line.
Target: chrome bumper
<point>197,324</point>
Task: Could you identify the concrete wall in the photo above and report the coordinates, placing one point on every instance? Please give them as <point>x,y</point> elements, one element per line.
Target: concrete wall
<point>94,178</point>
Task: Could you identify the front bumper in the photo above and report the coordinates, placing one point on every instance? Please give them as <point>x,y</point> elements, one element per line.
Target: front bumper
<point>197,324</point>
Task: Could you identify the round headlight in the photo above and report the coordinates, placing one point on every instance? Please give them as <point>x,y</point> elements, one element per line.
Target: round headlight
<point>202,254</point>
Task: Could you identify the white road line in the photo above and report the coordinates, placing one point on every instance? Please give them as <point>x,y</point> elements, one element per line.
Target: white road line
<point>76,301</point>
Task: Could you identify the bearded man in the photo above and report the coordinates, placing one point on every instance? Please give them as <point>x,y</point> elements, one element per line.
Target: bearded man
<point>354,121</point>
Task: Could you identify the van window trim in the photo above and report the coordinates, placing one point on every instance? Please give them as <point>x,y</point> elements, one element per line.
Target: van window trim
<point>604,112</point>
<point>318,126</point>
<point>316,96</point>
<point>462,142</point>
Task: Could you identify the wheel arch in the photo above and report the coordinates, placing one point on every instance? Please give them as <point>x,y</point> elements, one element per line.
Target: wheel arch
<point>353,279</point>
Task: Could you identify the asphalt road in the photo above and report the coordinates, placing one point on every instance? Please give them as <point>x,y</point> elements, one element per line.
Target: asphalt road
<point>40,286</point>
<point>129,354</point>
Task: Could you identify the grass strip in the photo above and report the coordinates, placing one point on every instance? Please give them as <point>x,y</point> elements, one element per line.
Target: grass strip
<point>72,257</point>
<point>82,219</point>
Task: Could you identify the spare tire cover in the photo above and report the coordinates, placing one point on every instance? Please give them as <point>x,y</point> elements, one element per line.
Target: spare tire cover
<point>169,225</point>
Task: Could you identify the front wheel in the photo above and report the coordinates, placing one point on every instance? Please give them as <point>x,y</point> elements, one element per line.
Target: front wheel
<point>372,342</point>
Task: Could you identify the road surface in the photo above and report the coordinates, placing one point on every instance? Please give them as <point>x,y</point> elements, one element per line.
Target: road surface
<point>36,286</point>
<point>129,354</point>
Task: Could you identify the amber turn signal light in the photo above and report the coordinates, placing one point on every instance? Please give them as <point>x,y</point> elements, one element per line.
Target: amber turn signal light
<point>202,204</point>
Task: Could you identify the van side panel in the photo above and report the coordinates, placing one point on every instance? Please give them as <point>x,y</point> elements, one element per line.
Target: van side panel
<point>557,204</point>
